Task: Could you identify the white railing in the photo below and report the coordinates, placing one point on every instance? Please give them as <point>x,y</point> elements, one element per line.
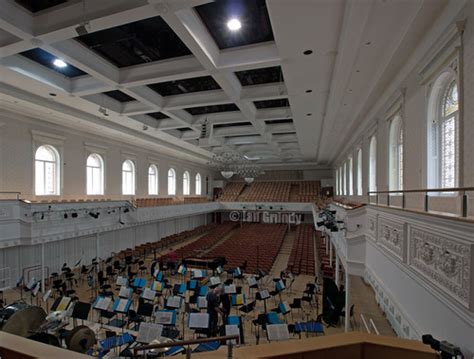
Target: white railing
<point>362,320</point>
<point>373,326</point>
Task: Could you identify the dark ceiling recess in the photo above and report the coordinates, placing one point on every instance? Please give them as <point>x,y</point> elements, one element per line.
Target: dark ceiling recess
<point>234,124</point>
<point>184,129</point>
<point>179,87</point>
<point>46,59</point>
<point>38,5</point>
<point>283,102</point>
<point>119,96</point>
<point>253,15</point>
<point>136,43</point>
<point>235,136</point>
<point>279,122</point>
<point>212,109</point>
<point>285,133</point>
<point>260,76</point>
<point>158,115</point>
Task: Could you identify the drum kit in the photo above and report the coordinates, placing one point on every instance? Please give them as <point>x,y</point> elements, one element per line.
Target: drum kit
<point>31,322</point>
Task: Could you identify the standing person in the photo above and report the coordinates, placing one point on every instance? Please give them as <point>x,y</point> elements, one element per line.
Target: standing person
<point>213,309</point>
<point>172,259</point>
<point>225,305</point>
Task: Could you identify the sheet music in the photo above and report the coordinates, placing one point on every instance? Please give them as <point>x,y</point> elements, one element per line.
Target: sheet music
<point>149,332</point>
<point>202,302</point>
<point>63,304</point>
<point>215,280</point>
<point>197,273</point>
<point>31,283</point>
<point>46,295</point>
<point>125,292</point>
<point>230,289</point>
<point>122,305</point>
<point>157,286</point>
<point>232,329</point>
<point>103,303</point>
<point>278,332</point>
<point>122,281</point>
<point>173,302</point>
<point>239,299</point>
<point>264,294</point>
<point>198,320</point>
<point>285,307</point>
<point>251,281</point>
<point>149,294</point>
<point>164,317</point>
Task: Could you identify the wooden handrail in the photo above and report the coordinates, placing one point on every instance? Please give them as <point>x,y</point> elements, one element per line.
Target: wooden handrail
<point>453,189</point>
<point>184,343</point>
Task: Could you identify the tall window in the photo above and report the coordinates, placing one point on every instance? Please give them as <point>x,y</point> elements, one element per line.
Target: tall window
<point>337,181</point>
<point>340,181</point>
<point>186,185</point>
<point>198,184</point>
<point>351,176</point>
<point>152,180</point>
<point>395,159</point>
<point>373,164</point>
<point>359,172</point>
<point>171,182</point>
<point>443,151</point>
<point>128,178</point>
<point>95,175</point>
<point>344,179</point>
<point>46,171</point>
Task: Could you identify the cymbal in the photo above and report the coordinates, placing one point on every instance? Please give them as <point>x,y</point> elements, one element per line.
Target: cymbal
<point>25,322</point>
<point>80,339</point>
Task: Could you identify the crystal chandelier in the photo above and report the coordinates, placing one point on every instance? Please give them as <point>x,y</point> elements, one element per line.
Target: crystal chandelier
<point>250,172</point>
<point>227,163</point>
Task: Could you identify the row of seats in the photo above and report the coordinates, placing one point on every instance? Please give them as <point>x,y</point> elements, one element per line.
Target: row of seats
<point>197,247</point>
<point>326,269</point>
<point>301,259</point>
<point>252,247</point>
<point>168,201</point>
<point>232,191</point>
<point>267,192</point>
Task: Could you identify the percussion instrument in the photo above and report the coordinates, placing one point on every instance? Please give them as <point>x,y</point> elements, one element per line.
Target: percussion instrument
<point>21,319</point>
<point>80,339</point>
<point>154,353</point>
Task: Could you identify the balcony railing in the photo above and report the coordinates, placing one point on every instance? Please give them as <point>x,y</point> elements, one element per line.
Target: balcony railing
<point>462,191</point>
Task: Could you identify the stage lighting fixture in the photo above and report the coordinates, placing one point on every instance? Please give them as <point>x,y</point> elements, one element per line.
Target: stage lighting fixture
<point>333,212</point>
<point>121,222</point>
<point>334,229</point>
<point>65,215</point>
<point>74,215</point>
<point>126,210</point>
<point>446,349</point>
<point>94,215</point>
<point>42,215</point>
<point>82,29</point>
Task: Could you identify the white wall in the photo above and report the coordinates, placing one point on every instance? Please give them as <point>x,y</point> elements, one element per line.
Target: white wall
<point>414,112</point>
<point>17,146</point>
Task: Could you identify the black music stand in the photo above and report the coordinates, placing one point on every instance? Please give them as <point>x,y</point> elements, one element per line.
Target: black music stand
<point>81,311</point>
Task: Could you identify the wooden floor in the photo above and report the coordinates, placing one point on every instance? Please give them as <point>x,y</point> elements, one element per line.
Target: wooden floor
<point>361,295</point>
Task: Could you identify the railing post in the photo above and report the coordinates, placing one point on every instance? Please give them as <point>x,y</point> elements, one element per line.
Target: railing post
<point>426,202</point>
<point>229,349</point>
<point>403,200</point>
<point>188,352</point>
<point>388,199</point>
<point>464,204</point>
<point>377,198</point>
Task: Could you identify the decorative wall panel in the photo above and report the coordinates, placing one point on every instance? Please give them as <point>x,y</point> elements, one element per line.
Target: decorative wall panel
<point>391,236</point>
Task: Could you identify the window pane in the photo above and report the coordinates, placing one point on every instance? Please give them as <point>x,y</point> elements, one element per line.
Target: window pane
<point>198,184</point>
<point>448,153</point>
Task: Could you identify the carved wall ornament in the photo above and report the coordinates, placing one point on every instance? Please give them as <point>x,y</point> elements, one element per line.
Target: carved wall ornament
<point>443,260</point>
<point>391,236</point>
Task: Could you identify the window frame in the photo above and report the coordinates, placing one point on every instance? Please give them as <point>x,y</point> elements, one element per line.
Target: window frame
<point>133,172</point>
<point>156,181</point>
<point>360,189</point>
<point>173,187</point>
<point>198,184</point>
<point>395,151</point>
<point>101,174</point>
<point>57,171</point>
<point>350,183</point>
<point>186,183</point>
<point>372,164</point>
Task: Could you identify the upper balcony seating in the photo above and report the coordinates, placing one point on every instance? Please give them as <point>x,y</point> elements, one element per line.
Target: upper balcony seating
<point>309,191</point>
<point>231,191</point>
<point>168,201</point>
<point>266,192</point>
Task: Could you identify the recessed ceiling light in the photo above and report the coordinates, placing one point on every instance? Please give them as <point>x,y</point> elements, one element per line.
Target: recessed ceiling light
<point>308,91</point>
<point>52,94</point>
<point>308,52</point>
<point>59,63</point>
<point>368,42</point>
<point>234,24</point>
<point>357,70</point>
<point>308,114</point>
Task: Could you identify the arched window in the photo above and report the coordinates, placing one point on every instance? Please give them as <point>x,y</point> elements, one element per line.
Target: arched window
<point>186,185</point>
<point>95,175</point>
<point>359,172</point>
<point>340,181</point>
<point>152,180</point>
<point>198,184</point>
<point>344,179</point>
<point>47,171</point>
<point>128,178</point>
<point>171,182</point>
<point>350,171</point>
<point>395,159</point>
<point>373,164</point>
<point>337,181</point>
<point>443,143</point>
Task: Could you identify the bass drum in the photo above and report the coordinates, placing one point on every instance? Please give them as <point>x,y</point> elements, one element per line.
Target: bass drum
<point>80,339</point>
<point>21,319</point>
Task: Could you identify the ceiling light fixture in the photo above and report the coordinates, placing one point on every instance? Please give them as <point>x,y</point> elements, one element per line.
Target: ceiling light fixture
<point>308,52</point>
<point>234,24</point>
<point>59,63</point>
<point>309,91</point>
